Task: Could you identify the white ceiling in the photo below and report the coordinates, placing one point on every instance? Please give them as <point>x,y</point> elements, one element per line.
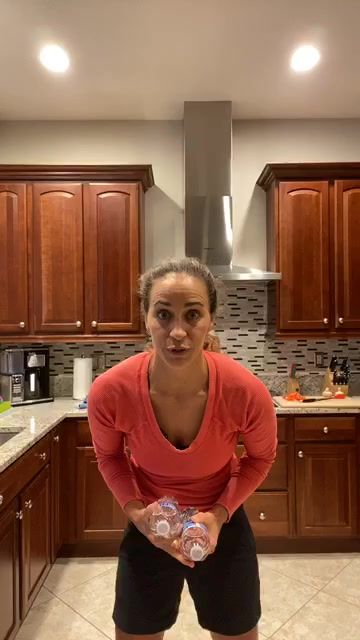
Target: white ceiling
<point>140,59</point>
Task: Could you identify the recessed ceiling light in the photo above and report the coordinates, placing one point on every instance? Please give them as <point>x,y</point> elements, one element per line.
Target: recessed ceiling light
<point>304,58</point>
<point>54,58</point>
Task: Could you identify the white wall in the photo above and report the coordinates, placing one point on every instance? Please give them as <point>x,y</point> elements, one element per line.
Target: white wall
<point>160,143</point>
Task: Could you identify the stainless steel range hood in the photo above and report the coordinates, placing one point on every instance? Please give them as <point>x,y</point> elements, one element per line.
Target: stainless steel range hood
<point>208,202</point>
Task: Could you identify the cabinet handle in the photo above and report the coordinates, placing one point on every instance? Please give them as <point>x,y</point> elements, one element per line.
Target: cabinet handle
<point>42,456</point>
<point>341,320</point>
<point>300,454</point>
<point>326,429</point>
<point>94,324</point>
<point>78,323</point>
<point>262,516</point>
<point>19,515</point>
<point>28,504</point>
<point>1,499</point>
<point>22,325</point>
<point>56,438</point>
<point>326,321</point>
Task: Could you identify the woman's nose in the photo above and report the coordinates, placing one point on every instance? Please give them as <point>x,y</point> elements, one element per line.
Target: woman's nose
<point>177,332</point>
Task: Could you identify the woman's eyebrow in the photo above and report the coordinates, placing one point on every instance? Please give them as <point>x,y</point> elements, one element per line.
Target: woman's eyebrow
<point>187,304</point>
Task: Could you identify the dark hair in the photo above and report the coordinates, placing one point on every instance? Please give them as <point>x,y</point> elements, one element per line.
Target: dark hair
<point>189,266</point>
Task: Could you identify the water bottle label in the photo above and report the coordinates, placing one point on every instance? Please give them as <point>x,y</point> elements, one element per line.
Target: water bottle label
<point>167,504</point>
<point>190,525</point>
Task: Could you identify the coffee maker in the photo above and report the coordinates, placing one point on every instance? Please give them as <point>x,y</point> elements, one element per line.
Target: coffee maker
<point>25,376</point>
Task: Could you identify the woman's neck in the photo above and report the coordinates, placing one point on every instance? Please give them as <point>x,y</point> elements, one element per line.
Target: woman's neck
<point>168,381</point>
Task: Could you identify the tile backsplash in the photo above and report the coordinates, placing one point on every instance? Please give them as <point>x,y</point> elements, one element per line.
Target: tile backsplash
<point>242,327</point>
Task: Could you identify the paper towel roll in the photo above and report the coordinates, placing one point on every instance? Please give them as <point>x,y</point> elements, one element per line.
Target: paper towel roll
<point>82,377</point>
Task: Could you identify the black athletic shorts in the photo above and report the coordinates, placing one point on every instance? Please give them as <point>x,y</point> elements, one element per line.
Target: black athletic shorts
<point>225,586</point>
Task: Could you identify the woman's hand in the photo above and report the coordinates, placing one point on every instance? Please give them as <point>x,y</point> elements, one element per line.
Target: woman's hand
<point>140,516</point>
<point>213,520</point>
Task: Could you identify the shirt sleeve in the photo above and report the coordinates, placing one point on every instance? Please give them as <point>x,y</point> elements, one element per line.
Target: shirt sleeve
<point>109,444</point>
<point>259,436</point>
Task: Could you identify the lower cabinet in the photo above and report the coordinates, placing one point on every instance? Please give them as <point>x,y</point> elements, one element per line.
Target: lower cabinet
<point>35,537</point>
<point>326,503</point>
<point>98,515</point>
<point>9,571</point>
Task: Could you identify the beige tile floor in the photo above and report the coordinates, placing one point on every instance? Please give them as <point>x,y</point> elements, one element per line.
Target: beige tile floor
<point>304,597</point>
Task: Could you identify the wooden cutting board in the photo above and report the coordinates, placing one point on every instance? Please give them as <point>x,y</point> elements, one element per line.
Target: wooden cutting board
<point>347,403</point>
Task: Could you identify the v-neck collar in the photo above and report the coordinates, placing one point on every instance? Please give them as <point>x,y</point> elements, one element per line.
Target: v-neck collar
<point>145,395</point>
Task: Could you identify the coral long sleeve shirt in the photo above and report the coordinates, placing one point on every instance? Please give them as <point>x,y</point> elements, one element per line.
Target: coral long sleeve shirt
<point>139,463</point>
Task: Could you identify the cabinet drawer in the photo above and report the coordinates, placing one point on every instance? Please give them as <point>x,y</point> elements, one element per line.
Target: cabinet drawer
<point>325,429</point>
<point>268,513</point>
<point>83,433</point>
<point>15,477</point>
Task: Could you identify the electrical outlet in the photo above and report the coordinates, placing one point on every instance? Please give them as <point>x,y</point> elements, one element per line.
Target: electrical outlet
<point>319,360</point>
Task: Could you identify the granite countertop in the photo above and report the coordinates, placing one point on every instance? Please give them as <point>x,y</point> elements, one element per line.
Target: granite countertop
<point>35,421</point>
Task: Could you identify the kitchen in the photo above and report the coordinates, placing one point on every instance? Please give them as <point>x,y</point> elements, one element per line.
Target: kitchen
<point>285,129</point>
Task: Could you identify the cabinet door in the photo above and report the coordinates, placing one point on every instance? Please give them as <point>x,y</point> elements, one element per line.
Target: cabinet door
<point>9,572</point>
<point>14,313</point>
<point>347,254</point>
<point>57,258</point>
<point>326,490</point>
<point>99,516</point>
<point>35,539</point>
<point>111,231</point>
<point>303,255</point>
<point>56,490</point>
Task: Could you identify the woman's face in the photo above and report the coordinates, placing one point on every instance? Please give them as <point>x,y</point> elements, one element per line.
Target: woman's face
<point>178,319</point>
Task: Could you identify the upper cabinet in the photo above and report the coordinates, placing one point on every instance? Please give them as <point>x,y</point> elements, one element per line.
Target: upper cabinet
<point>347,254</point>
<point>71,252</point>
<point>112,265</point>
<point>313,218</point>
<point>14,311</point>
<point>57,258</point>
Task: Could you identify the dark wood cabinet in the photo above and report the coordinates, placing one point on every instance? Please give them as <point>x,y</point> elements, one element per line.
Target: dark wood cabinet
<point>14,310</point>
<point>57,490</point>
<point>9,571</point>
<point>71,252</point>
<point>98,515</point>
<point>313,219</point>
<point>35,537</point>
<point>112,260</point>
<point>347,254</point>
<point>303,255</point>
<point>57,258</point>
<point>326,490</point>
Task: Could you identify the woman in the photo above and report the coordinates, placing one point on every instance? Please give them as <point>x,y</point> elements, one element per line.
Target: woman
<point>180,410</point>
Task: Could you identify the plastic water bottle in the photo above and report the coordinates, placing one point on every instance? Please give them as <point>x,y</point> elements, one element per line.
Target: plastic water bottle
<point>195,542</point>
<point>165,518</point>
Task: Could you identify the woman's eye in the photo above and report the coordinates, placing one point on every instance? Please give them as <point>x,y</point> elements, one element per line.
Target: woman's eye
<point>193,314</point>
<point>163,314</point>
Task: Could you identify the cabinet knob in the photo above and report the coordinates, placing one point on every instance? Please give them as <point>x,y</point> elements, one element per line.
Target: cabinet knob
<point>1,499</point>
<point>28,504</point>
<point>56,438</point>
<point>22,325</point>
<point>326,429</point>
<point>262,516</point>
<point>42,456</point>
<point>94,324</point>
<point>78,323</point>
<point>300,454</point>
<point>326,321</point>
<point>19,515</point>
<point>341,320</point>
